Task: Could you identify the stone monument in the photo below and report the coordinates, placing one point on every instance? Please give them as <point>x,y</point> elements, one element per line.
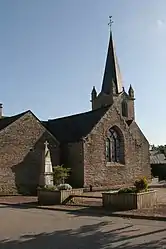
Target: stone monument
<point>48,169</point>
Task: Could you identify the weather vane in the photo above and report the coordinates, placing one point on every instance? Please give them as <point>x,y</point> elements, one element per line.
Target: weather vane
<point>110,22</point>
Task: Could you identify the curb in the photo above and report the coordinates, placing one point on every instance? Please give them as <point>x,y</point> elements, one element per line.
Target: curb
<point>157,186</point>
<point>92,211</point>
<point>141,217</point>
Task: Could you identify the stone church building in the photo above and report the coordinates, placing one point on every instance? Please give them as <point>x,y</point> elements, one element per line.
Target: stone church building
<point>103,147</point>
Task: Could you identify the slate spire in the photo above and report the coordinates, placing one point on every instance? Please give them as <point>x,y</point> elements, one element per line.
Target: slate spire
<point>112,82</point>
<point>93,93</point>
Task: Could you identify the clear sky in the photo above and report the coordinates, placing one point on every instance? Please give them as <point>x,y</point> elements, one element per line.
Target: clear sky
<point>52,53</point>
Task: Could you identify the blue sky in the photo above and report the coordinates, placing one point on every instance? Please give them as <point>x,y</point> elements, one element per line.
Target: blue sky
<point>53,52</point>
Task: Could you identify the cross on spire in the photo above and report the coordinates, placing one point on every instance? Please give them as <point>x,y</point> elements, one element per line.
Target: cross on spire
<point>46,144</point>
<point>110,21</point>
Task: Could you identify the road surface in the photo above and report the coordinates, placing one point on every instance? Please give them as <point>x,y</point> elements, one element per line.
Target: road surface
<point>30,228</point>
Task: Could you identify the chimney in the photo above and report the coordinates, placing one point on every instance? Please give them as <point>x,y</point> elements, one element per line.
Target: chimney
<point>1,108</point>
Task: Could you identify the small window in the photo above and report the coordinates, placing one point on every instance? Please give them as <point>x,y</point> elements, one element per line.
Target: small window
<point>124,109</point>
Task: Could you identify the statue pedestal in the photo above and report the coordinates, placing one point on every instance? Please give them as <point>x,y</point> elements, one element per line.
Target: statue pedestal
<point>48,179</point>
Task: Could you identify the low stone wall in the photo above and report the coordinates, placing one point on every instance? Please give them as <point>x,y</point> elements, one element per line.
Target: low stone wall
<point>126,201</point>
<point>56,197</point>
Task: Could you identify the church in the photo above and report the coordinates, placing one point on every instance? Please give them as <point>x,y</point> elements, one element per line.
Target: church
<point>103,147</point>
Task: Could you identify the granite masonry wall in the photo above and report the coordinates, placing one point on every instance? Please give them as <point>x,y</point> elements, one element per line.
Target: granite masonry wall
<point>99,172</point>
<point>21,148</point>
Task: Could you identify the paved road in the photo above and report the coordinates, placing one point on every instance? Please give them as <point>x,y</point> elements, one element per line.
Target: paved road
<point>33,228</point>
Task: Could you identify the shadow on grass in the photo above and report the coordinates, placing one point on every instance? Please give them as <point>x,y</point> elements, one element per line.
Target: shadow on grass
<point>98,236</point>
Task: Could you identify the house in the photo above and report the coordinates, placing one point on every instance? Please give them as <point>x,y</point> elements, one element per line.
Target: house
<point>103,147</point>
<point>22,140</point>
<point>158,164</point>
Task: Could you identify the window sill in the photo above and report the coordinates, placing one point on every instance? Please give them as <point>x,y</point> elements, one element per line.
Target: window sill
<point>114,164</point>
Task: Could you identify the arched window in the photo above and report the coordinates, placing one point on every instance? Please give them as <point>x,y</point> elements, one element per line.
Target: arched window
<point>124,109</point>
<point>114,147</point>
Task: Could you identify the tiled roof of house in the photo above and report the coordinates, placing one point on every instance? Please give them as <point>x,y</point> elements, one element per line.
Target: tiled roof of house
<point>73,128</point>
<point>157,158</point>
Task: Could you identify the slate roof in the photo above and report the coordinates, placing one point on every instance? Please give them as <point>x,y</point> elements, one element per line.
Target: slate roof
<point>112,74</point>
<point>5,121</point>
<point>157,158</point>
<point>73,128</point>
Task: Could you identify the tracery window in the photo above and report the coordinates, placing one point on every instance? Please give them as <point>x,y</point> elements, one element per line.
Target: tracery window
<point>114,150</point>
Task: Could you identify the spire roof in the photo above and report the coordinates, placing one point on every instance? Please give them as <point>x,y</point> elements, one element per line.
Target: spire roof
<point>112,82</point>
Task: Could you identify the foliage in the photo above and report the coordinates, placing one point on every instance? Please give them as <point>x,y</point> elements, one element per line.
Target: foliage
<point>64,186</point>
<point>159,148</point>
<point>127,190</point>
<point>46,187</point>
<point>60,174</point>
<point>141,185</point>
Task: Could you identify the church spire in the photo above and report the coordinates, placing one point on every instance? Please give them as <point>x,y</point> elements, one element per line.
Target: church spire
<point>112,83</point>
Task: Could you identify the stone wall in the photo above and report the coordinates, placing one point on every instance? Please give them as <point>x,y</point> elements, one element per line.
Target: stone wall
<point>21,147</point>
<point>130,105</point>
<point>131,111</point>
<point>72,157</point>
<point>97,172</point>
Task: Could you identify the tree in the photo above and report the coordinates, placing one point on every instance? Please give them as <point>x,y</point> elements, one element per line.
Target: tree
<point>60,174</point>
<point>160,148</point>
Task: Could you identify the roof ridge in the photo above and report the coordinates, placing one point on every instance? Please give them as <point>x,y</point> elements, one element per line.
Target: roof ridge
<point>5,122</point>
<point>79,114</point>
<point>73,128</point>
<point>14,116</point>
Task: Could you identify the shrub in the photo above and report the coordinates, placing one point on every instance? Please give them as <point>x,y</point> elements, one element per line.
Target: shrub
<point>60,174</point>
<point>64,186</point>
<point>127,190</point>
<point>141,185</point>
<point>48,188</point>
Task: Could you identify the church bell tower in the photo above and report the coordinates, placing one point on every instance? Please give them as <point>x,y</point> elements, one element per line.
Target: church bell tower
<point>112,86</point>
<point>112,82</point>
